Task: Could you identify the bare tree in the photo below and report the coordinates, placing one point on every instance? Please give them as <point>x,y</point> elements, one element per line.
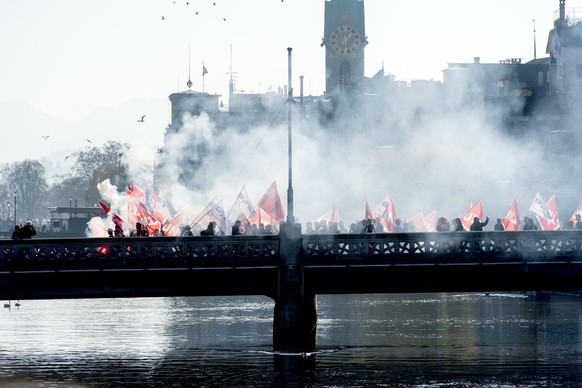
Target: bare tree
<point>93,165</point>
<point>26,180</point>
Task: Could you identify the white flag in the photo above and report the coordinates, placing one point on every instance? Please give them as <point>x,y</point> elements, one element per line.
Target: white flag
<point>538,206</point>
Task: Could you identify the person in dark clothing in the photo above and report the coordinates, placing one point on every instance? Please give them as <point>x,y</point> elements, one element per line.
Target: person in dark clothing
<point>209,231</point>
<point>16,233</point>
<point>458,225</point>
<point>139,231</point>
<point>27,231</point>
<point>499,225</point>
<point>368,226</point>
<point>578,223</point>
<point>118,232</point>
<point>477,225</point>
<point>236,228</point>
<point>528,224</point>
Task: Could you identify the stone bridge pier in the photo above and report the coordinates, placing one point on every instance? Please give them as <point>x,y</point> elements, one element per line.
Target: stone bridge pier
<point>295,319</point>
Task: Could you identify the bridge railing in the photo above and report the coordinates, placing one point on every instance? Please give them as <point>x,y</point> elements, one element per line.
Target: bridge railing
<point>325,249</point>
<point>138,252</point>
<point>453,247</point>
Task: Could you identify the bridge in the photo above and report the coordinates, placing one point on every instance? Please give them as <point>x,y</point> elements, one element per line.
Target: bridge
<point>291,268</point>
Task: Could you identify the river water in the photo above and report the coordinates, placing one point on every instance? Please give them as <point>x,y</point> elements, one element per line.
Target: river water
<point>402,340</point>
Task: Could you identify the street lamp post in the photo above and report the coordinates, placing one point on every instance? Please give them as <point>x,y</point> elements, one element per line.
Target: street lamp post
<point>290,215</point>
<point>15,207</point>
<point>70,201</point>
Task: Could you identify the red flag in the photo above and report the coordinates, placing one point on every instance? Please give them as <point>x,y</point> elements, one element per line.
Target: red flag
<point>330,216</point>
<point>577,211</point>
<point>152,225</point>
<point>204,71</point>
<point>135,191</point>
<point>261,217</point>
<point>553,221</point>
<point>511,220</point>
<point>368,211</point>
<point>430,222</point>
<point>136,196</point>
<point>104,207</point>
<point>389,217</point>
<point>475,211</point>
<point>271,204</point>
<point>117,220</point>
<point>172,226</point>
<point>418,221</point>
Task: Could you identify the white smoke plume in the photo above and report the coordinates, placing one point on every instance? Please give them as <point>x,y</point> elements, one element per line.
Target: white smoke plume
<point>425,154</point>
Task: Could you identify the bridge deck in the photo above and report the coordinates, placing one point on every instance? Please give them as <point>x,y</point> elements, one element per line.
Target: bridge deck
<point>241,265</point>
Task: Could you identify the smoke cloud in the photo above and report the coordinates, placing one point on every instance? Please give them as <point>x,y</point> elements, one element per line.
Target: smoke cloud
<point>426,152</point>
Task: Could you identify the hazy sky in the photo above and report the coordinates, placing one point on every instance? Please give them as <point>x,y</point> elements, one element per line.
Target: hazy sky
<point>70,57</point>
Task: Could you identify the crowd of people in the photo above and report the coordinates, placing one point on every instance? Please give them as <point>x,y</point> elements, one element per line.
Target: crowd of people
<point>370,225</point>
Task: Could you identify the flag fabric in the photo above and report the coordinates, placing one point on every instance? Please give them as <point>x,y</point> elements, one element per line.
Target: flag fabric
<point>553,221</point>
<point>204,211</point>
<point>577,211</point>
<point>117,220</point>
<point>369,214</point>
<point>272,205</point>
<point>171,227</point>
<point>380,209</point>
<point>389,217</point>
<point>430,222</point>
<point>104,207</point>
<point>261,217</point>
<point>152,225</point>
<point>242,207</point>
<point>135,191</point>
<point>215,213</point>
<point>511,220</point>
<point>135,196</point>
<point>330,216</point>
<point>475,211</point>
<point>418,221</point>
<point>204,71</point>
<point>539,207</point>
<point>159,208</point>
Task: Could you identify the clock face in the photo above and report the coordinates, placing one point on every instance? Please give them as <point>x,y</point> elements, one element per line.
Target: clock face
<point>345,40</point>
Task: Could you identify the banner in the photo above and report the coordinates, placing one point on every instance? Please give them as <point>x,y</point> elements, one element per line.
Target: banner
<point>271,204</point>
<point>475,211</point>
<point>511,220</point>
<point>553,220</point>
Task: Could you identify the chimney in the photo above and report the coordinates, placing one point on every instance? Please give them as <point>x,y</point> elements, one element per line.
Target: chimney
<point>563,11</point>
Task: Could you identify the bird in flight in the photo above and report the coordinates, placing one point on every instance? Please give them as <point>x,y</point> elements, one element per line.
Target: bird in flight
<point>89,141</point>
<point>46,136</point>
<point>163,18</point>
<point>67,157</point>
<point>142,119</point>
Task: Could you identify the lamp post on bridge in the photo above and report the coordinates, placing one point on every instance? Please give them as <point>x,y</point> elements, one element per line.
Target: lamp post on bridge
<point>290,215</point>
<point>295,315</point>
<point>14,207</point>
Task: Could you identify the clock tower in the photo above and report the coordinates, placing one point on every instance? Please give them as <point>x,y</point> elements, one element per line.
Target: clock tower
<point>344,40</point>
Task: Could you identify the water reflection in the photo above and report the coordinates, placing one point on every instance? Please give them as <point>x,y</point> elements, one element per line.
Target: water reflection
<point>428,340</point>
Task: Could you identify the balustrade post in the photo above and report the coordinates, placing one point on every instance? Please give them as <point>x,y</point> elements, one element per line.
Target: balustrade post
<point>295,316</point>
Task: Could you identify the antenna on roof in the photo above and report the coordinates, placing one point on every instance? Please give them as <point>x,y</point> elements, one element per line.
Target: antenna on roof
<point>189,83</point>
